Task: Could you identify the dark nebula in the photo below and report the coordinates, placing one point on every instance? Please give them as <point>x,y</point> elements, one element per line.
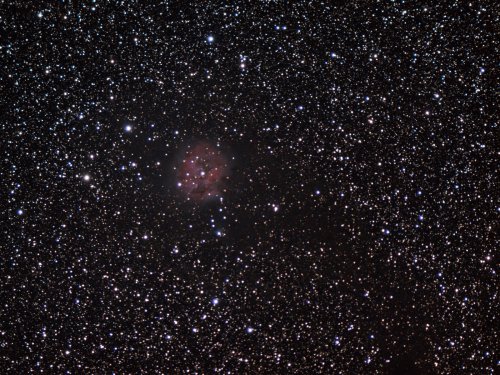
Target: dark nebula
<point>203,172</point>
<point>249,187</point>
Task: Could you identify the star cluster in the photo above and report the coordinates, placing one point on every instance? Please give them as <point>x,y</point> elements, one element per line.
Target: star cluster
<point>350,153</point>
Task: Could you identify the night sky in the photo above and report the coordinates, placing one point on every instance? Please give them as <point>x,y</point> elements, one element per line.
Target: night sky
<point>259,187</point>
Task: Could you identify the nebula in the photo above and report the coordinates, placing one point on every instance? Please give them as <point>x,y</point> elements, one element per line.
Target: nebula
<point>203,172</point>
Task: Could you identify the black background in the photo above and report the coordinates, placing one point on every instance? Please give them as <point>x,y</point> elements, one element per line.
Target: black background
<point>370,125</point>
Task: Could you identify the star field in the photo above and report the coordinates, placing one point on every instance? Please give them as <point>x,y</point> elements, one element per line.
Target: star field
<point>257,187</point>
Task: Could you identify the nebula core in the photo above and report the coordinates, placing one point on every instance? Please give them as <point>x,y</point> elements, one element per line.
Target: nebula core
<point>203,172</point>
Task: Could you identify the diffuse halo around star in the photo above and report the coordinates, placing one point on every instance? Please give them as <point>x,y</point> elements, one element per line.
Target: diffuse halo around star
<point>203,172</point>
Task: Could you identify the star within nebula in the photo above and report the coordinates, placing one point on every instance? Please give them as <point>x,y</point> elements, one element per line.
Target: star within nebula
<point>249,187</point>
<point>203,172</point>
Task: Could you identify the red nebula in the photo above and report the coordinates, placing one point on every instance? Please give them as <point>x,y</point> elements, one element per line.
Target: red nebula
<point>202,173</point>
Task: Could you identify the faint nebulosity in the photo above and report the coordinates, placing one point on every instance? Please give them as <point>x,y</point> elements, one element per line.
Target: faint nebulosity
<point>202,172</point>
<point>261,187</point>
